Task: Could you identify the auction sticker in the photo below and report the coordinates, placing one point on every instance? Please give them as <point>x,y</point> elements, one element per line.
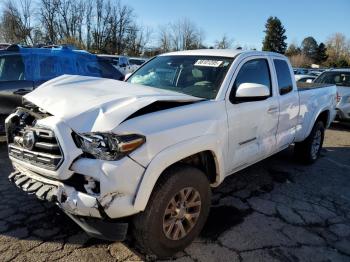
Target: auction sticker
<point>211,63</point>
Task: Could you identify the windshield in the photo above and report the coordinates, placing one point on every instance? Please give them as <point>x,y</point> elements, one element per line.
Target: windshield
<point>335,78</point>
<point>198,76</point>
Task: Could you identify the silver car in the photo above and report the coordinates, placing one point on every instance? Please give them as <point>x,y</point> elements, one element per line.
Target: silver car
<point>341,78</point>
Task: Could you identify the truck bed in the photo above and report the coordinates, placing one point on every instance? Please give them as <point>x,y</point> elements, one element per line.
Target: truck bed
<point>309,86</point>
<point>317,98</point>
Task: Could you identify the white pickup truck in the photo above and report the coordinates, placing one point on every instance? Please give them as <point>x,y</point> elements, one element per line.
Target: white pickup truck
<point>146,152</point>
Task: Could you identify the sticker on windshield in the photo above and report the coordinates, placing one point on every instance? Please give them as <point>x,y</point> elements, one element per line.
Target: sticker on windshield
<point>211,63</point>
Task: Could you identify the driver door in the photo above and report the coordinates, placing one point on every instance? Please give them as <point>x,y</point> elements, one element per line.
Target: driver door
<point>252,124</point>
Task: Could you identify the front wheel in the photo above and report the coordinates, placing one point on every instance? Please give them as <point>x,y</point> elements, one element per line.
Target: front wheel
<point>175,213</point>
<point>309,150</point>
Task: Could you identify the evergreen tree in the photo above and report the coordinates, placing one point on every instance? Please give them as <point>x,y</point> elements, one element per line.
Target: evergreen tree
<point>275,39</point>
<point>309,48</point>
<point>321,53</point>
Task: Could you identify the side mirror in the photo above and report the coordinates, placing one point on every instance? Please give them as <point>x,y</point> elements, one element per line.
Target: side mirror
<point>251,92</point>
<point>127,76</point>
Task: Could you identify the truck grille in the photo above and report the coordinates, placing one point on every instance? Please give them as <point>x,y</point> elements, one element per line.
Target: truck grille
<point>37,146</point>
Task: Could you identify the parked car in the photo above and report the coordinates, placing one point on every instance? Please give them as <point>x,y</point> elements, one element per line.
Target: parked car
<point>147,152</point>
<point>23,69</point>
<point>119,62</point>
<point>315,72</point>
<point>340,78</point>
<point>301,71</point>
<point>304,78</point>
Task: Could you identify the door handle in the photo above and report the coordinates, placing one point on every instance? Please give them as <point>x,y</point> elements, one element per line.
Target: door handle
<point>21,92</point>
<point>272,110</point>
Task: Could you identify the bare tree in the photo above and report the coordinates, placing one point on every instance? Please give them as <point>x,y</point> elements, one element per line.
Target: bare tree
<point>48,17</point>
<point>338,48</point>
<point>70,20</point>
<point>164,38</point>
<point>224,42</point>
<point>183,35</point>
<point>16,22</point>
<point>101,30</point>
<point>138,37</point>
<point>88,13</point>
<point>123,16</point>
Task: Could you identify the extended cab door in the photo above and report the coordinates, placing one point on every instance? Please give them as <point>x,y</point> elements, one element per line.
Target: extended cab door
<point>252,123</point>
<point>288,103</point>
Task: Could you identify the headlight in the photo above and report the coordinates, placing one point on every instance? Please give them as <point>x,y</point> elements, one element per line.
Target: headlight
<point>107,146</point>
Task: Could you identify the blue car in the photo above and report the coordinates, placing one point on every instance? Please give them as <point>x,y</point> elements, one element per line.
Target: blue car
<point>24,69</point>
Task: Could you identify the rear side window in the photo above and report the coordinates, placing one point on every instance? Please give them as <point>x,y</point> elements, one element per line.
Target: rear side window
<point>49,66</point>
<point>12,68</point>
<point>92,66</point>
<point>285,83</point>
<point>254,71</point>
<point>334,78</point>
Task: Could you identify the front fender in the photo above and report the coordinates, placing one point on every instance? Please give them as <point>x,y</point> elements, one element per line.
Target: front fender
<point>173,154</point>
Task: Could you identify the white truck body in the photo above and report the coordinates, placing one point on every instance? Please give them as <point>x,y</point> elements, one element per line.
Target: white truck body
<point>237,135</point>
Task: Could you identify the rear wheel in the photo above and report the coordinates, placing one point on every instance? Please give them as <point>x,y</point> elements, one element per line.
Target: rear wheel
<point>309,150</point>
<point>176,212</point>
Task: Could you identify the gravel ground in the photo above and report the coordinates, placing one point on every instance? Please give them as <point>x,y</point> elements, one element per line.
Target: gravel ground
<point>276,210</point>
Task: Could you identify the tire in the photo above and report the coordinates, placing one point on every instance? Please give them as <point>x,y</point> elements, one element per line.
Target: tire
<point>309,150</point>
<point>148,226</point>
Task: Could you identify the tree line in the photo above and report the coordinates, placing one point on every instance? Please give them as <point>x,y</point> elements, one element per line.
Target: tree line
<point>96,25</point>
<point>335,52</point>
<point>99,26</point>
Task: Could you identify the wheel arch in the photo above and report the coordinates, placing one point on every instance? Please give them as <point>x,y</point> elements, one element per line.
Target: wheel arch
<point>201,152</point>
<point>323,115</point>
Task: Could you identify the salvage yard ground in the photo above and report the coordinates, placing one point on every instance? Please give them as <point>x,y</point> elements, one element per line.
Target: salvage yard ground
<point>277,210</point>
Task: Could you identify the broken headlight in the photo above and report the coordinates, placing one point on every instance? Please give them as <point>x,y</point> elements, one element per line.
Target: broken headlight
<point>107,146</point>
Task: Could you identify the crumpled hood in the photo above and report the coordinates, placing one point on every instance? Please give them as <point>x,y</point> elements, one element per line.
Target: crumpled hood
<point>90,104</point>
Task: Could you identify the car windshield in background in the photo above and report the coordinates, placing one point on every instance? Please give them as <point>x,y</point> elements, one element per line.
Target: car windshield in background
<point>336,78</point>
<point>193,75</point>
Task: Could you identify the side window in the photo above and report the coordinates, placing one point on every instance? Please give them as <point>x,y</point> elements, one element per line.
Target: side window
<point>12,68</point>
<point>108,71</point>
<point>254,71</point>
<point>285,83</point>
<point>49,67</point>
<point>92,66</point>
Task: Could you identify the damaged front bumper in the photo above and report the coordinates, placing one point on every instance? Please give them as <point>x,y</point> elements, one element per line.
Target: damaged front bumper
<point>83,209</point>
<point>93,192</point>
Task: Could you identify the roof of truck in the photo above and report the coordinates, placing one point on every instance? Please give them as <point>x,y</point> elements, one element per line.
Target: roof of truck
<point>220,52</point>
